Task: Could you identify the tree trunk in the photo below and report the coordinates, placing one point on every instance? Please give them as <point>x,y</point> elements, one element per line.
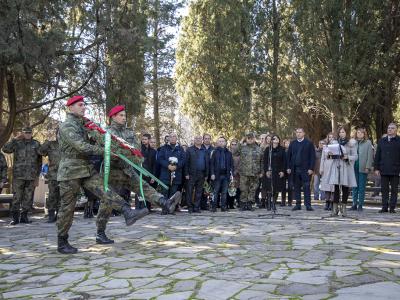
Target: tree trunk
<point>156,103</point>
<point>275,65</point>
<point>334,122</point>
<point>12,107</point>
<point>2,80</point>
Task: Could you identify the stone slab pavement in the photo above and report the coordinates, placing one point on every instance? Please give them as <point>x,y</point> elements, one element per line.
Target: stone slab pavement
<point>230,255</point>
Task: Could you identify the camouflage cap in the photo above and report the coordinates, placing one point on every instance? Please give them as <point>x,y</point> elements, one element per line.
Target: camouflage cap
<point>250,135</point>
<point>27,129</point>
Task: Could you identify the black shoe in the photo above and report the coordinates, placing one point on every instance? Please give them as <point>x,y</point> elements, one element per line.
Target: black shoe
<point>290,204</point>
<point>64,247</point>
<point>310,208</point>
<point>15,218</point>
<point>101,238</point>
<point>296,207</point>
<point>383,210</point>
<point>360,208</point>
<point>132,215</point>
<point>169,205</point>
<point>283,204</point>
<point>250,207</point>
<point>213,209</point>
<point>392,211</point>
<point>223,209</point>
<point>353,207</point>
<point>24,218</point>
<point>327,204</point>
<point>197,210</point>
<point>52,216</point>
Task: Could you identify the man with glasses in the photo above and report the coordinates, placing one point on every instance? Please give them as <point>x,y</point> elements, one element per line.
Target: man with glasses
<point>387,165</point>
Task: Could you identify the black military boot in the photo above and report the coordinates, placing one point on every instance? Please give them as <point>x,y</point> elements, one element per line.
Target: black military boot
<point>64,247</point>
<point>15,218</point>
<point>24,218</point>
<point>52,216</point>
<point>168,205</point>
<point>132,215</point>
<point>101,238</point>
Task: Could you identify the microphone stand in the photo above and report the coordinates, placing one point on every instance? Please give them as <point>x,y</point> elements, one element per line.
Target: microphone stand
<point>271,203</point>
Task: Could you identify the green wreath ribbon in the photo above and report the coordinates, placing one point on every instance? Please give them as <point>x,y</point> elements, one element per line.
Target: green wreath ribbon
<point>107,160</point>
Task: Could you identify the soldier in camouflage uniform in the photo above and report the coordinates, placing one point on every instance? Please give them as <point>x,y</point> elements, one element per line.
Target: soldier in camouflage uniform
<point>26,170</point>
<point>51,149</point>
<point>250,170</point>
<point>75,171</point>
<point>123,176</point>
<point>3,171</point>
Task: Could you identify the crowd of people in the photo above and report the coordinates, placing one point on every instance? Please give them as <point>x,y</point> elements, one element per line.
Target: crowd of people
<point>202,176</point>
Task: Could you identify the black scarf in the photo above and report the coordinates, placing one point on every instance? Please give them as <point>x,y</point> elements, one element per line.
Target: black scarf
<point>343,142</point>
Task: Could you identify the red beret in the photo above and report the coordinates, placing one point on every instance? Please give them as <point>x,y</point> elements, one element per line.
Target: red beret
<point>74,99</point>
<point>115,110</point>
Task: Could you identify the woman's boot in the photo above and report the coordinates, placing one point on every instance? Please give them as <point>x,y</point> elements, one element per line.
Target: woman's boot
<point>335,209</point>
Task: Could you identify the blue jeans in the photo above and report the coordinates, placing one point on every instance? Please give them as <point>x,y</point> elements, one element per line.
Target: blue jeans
<point>318,194</point>
<point>220,186</point>
<point>358,192</point>
<point>302,179</point>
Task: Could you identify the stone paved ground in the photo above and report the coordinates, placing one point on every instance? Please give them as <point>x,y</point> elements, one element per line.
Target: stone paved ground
<point>230,255</point>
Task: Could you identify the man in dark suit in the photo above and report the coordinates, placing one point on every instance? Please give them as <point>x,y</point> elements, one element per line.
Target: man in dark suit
<point>301,161</point>
<point>221,170</point>
<point>387,165</point>
<point>196,171</point>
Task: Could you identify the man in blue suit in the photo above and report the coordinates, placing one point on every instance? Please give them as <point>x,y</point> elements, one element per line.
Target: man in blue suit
<point>301,161</point>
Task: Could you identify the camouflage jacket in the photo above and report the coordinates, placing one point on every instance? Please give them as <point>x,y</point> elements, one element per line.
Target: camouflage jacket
<point>27,161</point>
<point>251,159</point>
<point>128,135</point>
<point>3,168</point>
<point>52,150</point>
<point>75,148</point>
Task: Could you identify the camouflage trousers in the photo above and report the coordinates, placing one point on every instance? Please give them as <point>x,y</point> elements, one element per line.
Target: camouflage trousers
<point>53,200</point>
<point>69,191</point>
<point>248,187</point>
<point>119,180</point>
<point>23,195</point>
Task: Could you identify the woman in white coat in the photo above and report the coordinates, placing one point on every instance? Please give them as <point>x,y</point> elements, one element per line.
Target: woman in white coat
<point>324,171</point>
<point>342,171</point>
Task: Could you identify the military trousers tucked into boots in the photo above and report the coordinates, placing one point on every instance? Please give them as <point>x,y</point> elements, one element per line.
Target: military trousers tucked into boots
<point>23,195</point>
<point>69,191</point>
<point>248,187</point>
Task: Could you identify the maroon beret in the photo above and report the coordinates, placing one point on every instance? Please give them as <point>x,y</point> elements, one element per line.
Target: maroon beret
<point>115,110</point>
<point>74,99</point>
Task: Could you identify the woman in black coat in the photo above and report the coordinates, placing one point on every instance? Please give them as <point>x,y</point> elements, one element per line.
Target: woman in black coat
<point>274,170</point>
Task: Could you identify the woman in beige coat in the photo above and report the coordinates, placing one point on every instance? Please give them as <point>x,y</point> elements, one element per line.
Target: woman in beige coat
<point>324,171</point>
<point>342,174</point>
